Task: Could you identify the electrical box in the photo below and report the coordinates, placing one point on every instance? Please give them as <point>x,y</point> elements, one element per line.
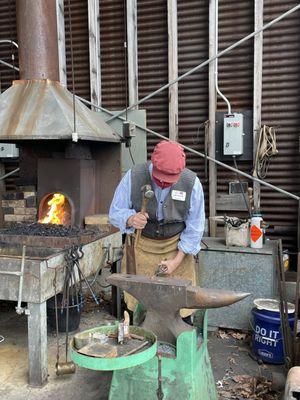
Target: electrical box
<point>233,135</point>
<point>8,150</point>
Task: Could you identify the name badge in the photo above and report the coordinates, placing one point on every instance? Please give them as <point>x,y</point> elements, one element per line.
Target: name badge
<point>178,195</point>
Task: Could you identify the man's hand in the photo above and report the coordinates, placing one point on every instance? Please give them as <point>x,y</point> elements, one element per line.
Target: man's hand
<point>173,264</point>
<point>138,220</point>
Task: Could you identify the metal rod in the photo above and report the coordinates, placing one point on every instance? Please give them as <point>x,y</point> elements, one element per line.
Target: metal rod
<point>295,338</point>
<point>9,174</point>
<point>9,65</point>
<point>17,273</point>
<point>253,178</point>
<point>221,53</point>
<point>19,308</point>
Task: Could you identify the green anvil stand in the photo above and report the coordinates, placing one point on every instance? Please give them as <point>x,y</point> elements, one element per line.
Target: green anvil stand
<point>188,376</point>
<point>147,375</point>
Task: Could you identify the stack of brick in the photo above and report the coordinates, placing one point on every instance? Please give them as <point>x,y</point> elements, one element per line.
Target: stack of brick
<point>20,206</point>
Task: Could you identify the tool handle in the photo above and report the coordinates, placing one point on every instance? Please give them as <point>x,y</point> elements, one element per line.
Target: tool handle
<point>138,232</point>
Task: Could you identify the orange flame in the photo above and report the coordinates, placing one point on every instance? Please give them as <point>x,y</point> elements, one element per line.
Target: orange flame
<point>56,213</point>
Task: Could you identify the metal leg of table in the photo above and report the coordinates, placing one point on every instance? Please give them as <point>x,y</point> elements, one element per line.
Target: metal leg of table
<point>115,292</point>
<point>37,344</point>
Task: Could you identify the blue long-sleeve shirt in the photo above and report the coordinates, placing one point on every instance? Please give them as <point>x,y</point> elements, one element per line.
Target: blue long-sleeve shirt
<point>190,238</point>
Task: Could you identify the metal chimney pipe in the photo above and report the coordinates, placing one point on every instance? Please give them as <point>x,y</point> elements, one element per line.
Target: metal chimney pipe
<point>37,39</point>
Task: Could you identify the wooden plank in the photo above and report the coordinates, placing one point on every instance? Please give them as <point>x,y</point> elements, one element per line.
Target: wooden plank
<point>173,68</point>
<point>61,41</point>
<point>231,202</point>
<point>94,51</point>
<point>132,49</point>
<point>257,87</point>
<point>96,219</point>
<point>212,121</point>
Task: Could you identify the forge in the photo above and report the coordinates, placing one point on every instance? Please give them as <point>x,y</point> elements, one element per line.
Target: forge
<point>70,164</point>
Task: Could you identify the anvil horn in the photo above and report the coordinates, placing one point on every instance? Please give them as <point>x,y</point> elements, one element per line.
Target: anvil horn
<point>211,298</point>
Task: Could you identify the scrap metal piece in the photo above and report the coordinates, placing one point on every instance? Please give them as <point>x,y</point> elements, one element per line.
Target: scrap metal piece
<point>164,297</point>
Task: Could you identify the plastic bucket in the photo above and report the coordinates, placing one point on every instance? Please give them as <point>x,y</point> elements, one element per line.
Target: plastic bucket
<point>267,341</point>
<point>74,314</point>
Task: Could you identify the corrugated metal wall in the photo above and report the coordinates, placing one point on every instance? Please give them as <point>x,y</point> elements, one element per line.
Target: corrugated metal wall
<point>153,63</point>
<point>8,31</point>
<point>112,54</point>
<point>80,37</point>
<point>280,109</point>
<point>193,91</point>
<point>236,20</point>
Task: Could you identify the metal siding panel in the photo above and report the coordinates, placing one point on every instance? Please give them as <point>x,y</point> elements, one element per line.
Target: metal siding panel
<point>236,20</point>
<point>112,54</point>
<point>153,64</point>
<point>193,91</point>
<point>280,108</point>
<point>80,37</point>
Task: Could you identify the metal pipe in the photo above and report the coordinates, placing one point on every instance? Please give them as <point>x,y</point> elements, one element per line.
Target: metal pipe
<point>198,153</point>
<point>216,60</point>
<point>37,38</point>
<point>9,41</point>
<point>195,69</point>
<point>19,308</point>
<point>9,174</point>
<point>9,65</point>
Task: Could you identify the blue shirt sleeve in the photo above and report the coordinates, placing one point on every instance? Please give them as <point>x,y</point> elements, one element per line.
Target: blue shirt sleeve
<point>190,238</point>
<point>121,206</point>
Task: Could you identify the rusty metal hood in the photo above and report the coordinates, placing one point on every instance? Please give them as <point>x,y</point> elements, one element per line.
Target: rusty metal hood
<point>43,109</point>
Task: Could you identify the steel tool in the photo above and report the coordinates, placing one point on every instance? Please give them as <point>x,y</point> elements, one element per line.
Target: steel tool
<point>164,297</point>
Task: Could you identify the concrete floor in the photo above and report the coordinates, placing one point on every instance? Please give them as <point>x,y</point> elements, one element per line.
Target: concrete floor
<point>86,384</point>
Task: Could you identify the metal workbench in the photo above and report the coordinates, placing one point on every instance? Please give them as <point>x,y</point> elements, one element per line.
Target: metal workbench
<point>39,273</point>
<point>241,269</point>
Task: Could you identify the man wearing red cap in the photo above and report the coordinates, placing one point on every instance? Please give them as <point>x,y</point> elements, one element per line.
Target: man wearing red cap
<point>173,225</point>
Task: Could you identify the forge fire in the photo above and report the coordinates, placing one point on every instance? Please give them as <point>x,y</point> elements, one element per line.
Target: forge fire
<point>55,209</point>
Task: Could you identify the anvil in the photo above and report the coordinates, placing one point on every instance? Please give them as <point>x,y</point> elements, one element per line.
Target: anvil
<point>164,297</point>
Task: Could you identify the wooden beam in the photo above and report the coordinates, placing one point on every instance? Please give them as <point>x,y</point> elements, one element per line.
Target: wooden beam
<point>61,41</point>
<point>94,51</point>
<point>132,49</point>
<point>173,68</point>
<point>212,121</point>
<point>257,87</point>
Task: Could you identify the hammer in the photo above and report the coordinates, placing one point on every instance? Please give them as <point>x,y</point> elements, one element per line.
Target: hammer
<point>147,195</point>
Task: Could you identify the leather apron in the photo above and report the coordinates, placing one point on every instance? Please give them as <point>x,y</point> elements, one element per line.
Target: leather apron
<point>149,253</point>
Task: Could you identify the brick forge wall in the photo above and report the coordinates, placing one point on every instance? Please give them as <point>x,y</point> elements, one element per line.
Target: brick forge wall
<point>20,206</point>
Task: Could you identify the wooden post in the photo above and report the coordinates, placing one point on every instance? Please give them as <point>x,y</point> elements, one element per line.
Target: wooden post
<point>37,344</point>
<point>173,69</point>
<point>212,120</point>
<point>94,51</point>
<point>257,87</point>
<point>61,41</point>
<point>132,52</point>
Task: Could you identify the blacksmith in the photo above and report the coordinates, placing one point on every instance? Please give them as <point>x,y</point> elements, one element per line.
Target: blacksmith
<point>173,225</point>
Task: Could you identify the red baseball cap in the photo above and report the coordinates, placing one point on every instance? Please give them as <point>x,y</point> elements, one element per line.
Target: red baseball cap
<point>168,159</point>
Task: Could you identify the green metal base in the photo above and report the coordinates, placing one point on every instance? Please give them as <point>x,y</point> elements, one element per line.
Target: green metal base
<point>187,377</point>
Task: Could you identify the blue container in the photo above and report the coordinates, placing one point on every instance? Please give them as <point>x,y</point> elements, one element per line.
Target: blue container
<point>267,342</point>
